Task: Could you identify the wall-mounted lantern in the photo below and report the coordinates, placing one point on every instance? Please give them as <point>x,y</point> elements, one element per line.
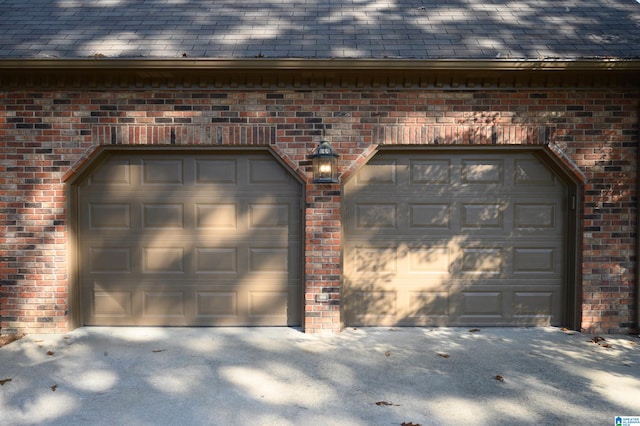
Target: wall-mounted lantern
<point>325,163</point>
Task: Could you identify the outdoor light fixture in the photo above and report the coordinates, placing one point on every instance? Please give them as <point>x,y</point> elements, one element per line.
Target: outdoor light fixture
<point>325,163</point>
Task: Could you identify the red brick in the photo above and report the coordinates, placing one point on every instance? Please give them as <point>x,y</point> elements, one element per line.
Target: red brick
<point>593,133</point>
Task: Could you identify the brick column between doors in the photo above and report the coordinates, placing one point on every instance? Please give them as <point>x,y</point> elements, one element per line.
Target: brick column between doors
<point>322,258</point>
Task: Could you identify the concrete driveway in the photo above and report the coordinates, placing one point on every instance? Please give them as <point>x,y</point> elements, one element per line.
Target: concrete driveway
<point>280,376</point>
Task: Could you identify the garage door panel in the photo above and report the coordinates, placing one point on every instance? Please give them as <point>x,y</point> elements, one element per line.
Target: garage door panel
<point>223,260</point>
<point>266,172</point>
<point>109,260</point>
<point>375,216</point>
<point>481,260</point>
<point>224,172</point>
<point>216,215</point>
<point>433,172</point>
<point>427,306</point>
<point>429,260</point>
<point>265,303</point>
<point>379,172</point>
<point>482,216</point>
<point>191,241</point>
<point>161,216</point>
<point>532,172</point>
<point>534,304</point>
<point>535,216</point>
<point>401,212</point>
<point>537,260</point>
<point>164,303</point>
<point>376,259</point>
<point>109,216</point>
<point>269,216</point>
<point>216,304</point>
<point>373,307</point>
<point>157,260</point>
<point>485,171</point>
<point>113,172</point>
<point>112,304</point>
<point>473,239</point>
<point>481,303</point>
<point>268,260</point>
<point>431,216</point>
<point>162,172</point>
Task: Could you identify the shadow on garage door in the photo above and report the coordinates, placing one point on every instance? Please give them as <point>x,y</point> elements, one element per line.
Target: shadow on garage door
<point>458,237</point>
<point>189,238</point>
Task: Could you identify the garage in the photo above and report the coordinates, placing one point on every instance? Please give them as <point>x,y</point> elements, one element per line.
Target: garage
<point>456,237</point>
<point>189,238</point>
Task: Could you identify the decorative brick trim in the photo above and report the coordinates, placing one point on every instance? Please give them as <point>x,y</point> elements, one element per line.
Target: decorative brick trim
<point>183,135</point>
<point>293,165</point>
<point>568,162</point>
<point>461,134</point>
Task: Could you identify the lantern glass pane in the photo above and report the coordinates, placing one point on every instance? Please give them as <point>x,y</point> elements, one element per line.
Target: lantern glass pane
<point>324,164</point>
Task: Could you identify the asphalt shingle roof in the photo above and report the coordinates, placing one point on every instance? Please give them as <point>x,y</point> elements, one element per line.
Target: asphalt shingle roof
<point>323,29</point>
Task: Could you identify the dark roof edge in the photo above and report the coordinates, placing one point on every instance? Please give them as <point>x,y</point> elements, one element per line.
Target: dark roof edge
<point>595,64</point>
<point>267,73</point>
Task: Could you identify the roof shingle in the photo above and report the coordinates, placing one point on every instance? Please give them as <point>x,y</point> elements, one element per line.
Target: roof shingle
<point>322,29</point>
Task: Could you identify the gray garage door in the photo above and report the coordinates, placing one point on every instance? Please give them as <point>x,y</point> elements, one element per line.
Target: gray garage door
<point>186,239</point>
<point>455,238</point>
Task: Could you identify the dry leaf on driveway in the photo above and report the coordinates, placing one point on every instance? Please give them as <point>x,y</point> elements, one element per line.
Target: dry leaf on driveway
<point>598,341</point>
<point>10,338</point>
<point>3,381</point>
<point>386,404</point>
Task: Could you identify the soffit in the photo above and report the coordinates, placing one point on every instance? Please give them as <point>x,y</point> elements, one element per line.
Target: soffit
<point>252,74</point>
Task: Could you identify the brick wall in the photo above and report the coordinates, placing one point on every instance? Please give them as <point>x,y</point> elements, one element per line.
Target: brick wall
<point>46,136</point>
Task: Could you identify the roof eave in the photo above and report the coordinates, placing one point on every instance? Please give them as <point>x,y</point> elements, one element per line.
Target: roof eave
<point>301,73</point>
<point>551,64</point>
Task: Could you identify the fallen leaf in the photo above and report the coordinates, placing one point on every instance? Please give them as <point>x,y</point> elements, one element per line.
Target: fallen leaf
<point>474,330</point>
<point>564,329</point>
<point>598,339</point>
<point>499,378</point>
<point>443,355</point>
<point>39,341</point>
<point>9,338</point>
<point>409,424</point>
<point>386,404</point>
<point>158,350</point>
<point>54,387</point>
<point>387,353</point>
<point>3,381</point>
<point>50,353</point>
<point>606,345</point>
